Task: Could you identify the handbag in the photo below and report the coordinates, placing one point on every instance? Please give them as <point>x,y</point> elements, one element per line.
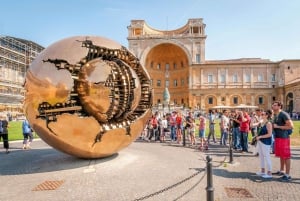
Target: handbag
<point>253,141</point>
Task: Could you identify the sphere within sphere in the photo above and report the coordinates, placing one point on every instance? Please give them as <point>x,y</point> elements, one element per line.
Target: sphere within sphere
<point>87,96</point>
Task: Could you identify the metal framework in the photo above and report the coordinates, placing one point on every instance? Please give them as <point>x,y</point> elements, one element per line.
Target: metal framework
<point>15,57</point>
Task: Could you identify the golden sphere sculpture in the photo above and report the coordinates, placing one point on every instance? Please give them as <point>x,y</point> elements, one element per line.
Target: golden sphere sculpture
<point>87,96</point>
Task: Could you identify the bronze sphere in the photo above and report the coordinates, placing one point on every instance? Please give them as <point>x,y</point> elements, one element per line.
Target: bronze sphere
<point>87,96</point>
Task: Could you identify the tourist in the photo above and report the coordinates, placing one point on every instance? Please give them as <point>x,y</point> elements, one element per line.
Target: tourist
<point>202,127</point>
<point>235,124</point>
<point>244,129</point>
<point>264,140</point>
<point>224,127</point>
<point>212,117</point>
<point>27,134</point>
<point>282,123</point>
<point>179,123</point>
<point>4,133</point>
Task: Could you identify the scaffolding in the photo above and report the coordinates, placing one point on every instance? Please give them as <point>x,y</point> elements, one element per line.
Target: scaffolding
<point>16,56</point>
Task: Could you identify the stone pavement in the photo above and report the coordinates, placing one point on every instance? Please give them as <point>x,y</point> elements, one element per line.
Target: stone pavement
<point>142,171</point>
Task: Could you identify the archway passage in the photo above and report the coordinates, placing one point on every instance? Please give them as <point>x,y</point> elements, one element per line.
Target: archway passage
<point>167,65</point>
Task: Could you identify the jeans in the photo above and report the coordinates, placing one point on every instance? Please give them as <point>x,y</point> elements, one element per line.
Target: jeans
<point>236,138</point>
<point>211,133</point>
<point>173,133</point>
<point>224,137</point>
<point>244,141</point>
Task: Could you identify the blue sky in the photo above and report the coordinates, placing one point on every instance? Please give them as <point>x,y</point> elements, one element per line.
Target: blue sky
<point>268,29</point>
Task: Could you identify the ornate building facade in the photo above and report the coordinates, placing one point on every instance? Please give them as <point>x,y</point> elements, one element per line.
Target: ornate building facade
<point>15,57</point>
<point>175,60</point>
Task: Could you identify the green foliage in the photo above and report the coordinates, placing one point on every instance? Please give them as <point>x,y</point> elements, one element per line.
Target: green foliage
<point>15,131</point>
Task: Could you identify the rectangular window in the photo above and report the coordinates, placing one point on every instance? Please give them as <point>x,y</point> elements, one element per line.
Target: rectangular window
<point>247,78</point>
<point>167,83</point>
<point>260,78</point>
<point>175,83</point>
<point>273,78</point>
<point>182,82</point>
<point>222,78</point>
<point>235,100</point>
<point>210,79</point>
<point>260,100</point>
<point>210,100</point>
<point>235,78</point>
<point>158,66</point>
<point>158,83</point>
<point>167,66</point>
<point>198,58</point>
<point>174,65</point>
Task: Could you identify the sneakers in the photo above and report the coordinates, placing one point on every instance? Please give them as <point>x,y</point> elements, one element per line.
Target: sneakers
<point>266,176</point>
<point>260,174</point>
<point>279,173</point>
<point>285,178</point>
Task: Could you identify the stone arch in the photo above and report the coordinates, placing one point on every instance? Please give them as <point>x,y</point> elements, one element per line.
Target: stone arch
<point>206,100</point>
<point>239,99</point>
<point>145,52</point>
<point>265,103</point>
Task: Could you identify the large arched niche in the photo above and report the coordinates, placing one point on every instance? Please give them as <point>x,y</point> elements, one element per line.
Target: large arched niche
<point>168,67</point>
<point>167,53</point>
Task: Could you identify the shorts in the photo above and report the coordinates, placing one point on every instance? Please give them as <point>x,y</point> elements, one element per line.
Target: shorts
<point>282,148</point>
<point>201,133</point>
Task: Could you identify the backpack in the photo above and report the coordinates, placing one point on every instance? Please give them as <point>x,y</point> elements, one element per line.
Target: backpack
<point>1,127</point>
<point>289,131</point>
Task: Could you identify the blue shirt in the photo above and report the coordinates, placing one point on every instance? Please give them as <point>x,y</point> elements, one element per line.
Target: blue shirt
<point>26,127</point>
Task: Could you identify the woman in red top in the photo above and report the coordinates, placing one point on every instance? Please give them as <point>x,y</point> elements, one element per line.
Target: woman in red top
<point>179,127</point>
<point>244,129</point>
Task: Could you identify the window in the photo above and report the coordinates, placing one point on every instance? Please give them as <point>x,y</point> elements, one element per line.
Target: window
<point>197,58</point>
<point>167,83</point>
<point>235,100</point>
<point>260,100</point>
<point>158,83</point>
<point>182,82</point>
<point>222,78</point>
<point>260,78</point>
<point>158,66</point>
<point>247,78</point>
<point>273,78</point>
<point>235,78</point>
<point>210,100</point>
<point>210,79</point>
<point>175,83</point>
<point>167,66</point>
<point>174,65</point>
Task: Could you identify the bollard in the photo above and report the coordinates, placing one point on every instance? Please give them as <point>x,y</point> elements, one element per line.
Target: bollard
<point>209,188</point>
<point>183,136</point>
<point>230,149</point>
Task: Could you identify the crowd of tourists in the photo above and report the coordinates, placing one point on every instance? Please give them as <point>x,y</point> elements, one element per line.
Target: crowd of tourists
<point>270,133</point>
<point>26,131</point>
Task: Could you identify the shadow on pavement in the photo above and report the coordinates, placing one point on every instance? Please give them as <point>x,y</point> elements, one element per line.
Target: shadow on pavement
<point>33,161</point>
